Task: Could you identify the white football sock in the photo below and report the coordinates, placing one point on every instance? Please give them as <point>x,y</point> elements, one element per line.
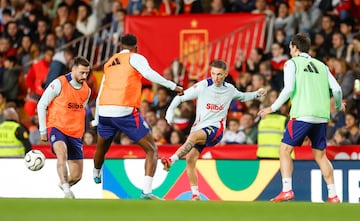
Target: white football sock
<point>65,187</point>
<point>174,158</point>
<point>147,184</point>
<point>331,190</point>
<point>96,172</point>
<point>287,184</point>
<point>195,190</point>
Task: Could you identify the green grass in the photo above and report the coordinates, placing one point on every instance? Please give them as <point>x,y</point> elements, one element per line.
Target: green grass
<point>124,210</point>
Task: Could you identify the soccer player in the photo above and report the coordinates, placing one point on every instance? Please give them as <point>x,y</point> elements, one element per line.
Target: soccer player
<point>117,107</point>
<point>307,82</point>
<point>213,100</point>
<point>61,112</point>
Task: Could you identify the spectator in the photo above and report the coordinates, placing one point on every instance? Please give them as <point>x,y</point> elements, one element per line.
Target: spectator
<point>345,77</point>
<point>39,37</point>
<point>341,137</point>
<point>71,33</point>
<point>347,29</point>
<point>35,80</point>
<point>14,140</point>
<point>134,7</point>
<point>62,15</point>
<point>13,32</point>
<point>149,9</point>
<point>158,135</point>
<point>167,7</point>
<point>10,79</point>
<point>308,17</point>
<point>251,64</point>
<point>337,120</point>
<point>177,137</point>
<point>86,21</point>
<point>49,7</point>
<point>285,21</point>
<point>217,7</point>
<point>233,134</point>
<point>60,64</point>
<point>261,7</point>
<point>240,6</point>
<point>319,48</point>
<point>150,118</point>
<point>352,124</point>
<point>353,53</point>
<point>60,38</point>
<point>327,30</point>
<point>247,126</point>
<point>50,40</point>
<point>27,52</point>
<point>339,47</point>
<point>189,7</point>
<point>162,102</point>
<point>89,138</point>
<point>6,50</point>
<point>110,17</point>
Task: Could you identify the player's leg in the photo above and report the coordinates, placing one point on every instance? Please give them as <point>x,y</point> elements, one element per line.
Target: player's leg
<point>102,147</point>
<point>75,171</point>
<point>105,134</point>
<point>318,141</point>
<point>191,159</point>
<point>60,150</point>
<point>148,145</point>
<point>196,137</point>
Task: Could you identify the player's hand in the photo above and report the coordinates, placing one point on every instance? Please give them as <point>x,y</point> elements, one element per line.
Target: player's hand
<point>179,90</point>
<point>261,92</point>
<point>93,123</point>
<point>262,113</point>
<point>43,137</point>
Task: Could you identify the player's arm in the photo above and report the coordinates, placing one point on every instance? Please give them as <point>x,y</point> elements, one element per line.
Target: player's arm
<point>247,96</point>
<point>49,94</point>
<point>141,64</point>
<point>336,91</point>
<point>289,85</point>
<point>22,134</point>
<point>189,94</point>
<point>95,122</point>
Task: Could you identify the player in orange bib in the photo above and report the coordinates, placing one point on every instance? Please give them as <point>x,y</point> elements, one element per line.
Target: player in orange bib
<point>61,112</point>
<point>117,107</point>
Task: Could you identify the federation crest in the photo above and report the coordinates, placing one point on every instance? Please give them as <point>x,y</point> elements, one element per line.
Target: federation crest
<point>194,52</point>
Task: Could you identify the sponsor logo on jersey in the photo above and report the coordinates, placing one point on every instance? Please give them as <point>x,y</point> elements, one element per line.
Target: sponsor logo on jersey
<point>75,106</point>
<point>214,107</point>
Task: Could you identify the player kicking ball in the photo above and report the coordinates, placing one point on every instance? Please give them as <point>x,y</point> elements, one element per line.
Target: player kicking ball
<point>214,96</point>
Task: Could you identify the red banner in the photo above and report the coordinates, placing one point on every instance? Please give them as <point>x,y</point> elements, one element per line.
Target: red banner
<point>234,151</point>
<point>195,39</point>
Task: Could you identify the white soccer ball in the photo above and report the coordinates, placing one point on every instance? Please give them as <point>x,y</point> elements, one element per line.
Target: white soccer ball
<point>34,160</point>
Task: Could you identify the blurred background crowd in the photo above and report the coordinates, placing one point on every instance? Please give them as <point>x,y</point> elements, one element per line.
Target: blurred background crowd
<point>33,31</point>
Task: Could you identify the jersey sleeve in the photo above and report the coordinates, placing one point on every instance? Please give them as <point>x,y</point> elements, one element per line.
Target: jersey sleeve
<point>49,94</point>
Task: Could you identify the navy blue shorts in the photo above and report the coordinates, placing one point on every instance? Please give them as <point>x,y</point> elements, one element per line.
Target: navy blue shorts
<point>213,137</point>
<point>296,131</point>
<point>133,125</point>
<point>74,145</point>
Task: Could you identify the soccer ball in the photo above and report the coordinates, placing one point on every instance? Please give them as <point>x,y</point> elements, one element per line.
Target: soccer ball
<point>34,160</point>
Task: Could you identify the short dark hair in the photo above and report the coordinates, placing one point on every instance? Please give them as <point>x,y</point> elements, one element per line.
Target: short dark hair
<point>129,40</point>
<point>301,41</point>
<point>80,60</point>
<point>219,64</point>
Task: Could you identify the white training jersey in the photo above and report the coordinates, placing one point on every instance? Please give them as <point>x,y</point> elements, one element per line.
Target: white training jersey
<point>212,103</point>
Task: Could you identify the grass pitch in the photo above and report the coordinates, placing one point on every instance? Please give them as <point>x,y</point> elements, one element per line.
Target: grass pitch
<point>18,209</point>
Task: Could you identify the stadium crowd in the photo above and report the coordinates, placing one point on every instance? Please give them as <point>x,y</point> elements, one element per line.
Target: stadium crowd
<point>35,29</point>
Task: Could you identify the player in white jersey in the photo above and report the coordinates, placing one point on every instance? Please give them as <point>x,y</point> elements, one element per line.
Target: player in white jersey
<point>213,100</point>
